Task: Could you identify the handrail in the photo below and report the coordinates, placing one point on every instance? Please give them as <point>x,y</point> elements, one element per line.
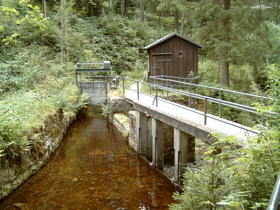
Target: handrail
<point>205,86</point>
<point>206,99</point>
<point>180,78</point>
<point>275,196</point>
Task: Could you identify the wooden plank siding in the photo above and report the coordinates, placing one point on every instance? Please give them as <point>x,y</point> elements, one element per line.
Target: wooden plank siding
<point>173,56</point>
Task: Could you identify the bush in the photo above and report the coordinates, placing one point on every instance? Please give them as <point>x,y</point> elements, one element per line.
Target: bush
<point>233,177</point>
<point>34,84</point>
<point>205,187</point>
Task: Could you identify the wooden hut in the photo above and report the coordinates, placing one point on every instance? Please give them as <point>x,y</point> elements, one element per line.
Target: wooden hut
<point>173,55</point>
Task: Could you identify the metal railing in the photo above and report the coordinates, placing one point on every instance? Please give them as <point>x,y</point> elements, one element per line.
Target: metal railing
<point>193,86</point>
<point>167,81</point>
<point>165,78</point>
<point>275,196</point>
<point>154,91</point>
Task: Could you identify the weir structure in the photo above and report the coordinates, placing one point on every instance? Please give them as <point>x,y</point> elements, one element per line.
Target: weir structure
<point>95,80</point>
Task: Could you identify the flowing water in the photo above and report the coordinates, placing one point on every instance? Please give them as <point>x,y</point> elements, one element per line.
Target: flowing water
<point>93,168</point>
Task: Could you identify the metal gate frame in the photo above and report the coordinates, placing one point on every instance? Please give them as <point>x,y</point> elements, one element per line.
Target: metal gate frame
<point>95,68</point>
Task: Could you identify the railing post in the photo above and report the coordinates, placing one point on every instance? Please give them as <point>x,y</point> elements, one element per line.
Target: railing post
<point>156,96</point>
<point>138,90</point>
<point>263,114</point>
<point>189,96</point>
<point>205,111</point>
<point>220,104</point>
<point>123,86</point>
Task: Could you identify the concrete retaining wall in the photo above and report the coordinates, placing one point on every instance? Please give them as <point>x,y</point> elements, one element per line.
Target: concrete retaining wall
<point>96,90</point>
<point>123,117</point>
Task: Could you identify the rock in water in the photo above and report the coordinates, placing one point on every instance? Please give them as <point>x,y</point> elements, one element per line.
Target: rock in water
<point>75,180</point>
<point>21,206</point>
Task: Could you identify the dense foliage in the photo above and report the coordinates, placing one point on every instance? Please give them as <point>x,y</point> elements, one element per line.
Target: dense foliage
<point>38,56</point>
<point>40,42</point>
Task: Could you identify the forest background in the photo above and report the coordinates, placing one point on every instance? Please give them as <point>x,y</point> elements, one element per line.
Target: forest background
<point>41,41</point>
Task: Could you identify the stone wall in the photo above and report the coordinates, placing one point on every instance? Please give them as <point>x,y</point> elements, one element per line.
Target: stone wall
<point>44,140</point>
<point>126,126</point>
<point>118,105</point>
<point>123,118</point>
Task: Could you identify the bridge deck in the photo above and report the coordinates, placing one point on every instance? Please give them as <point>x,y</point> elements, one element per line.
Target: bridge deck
<point>187,119</point>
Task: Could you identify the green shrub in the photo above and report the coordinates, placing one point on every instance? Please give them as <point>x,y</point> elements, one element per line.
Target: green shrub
<point>233,177</point>
<point>205,187</point>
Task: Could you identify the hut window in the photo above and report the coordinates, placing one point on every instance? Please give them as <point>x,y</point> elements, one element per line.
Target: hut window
<point>180,54</point>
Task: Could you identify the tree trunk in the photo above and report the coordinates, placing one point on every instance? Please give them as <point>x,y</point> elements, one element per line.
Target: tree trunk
<point>63,38</point>
<point>122,7</point>
<point>112,5</point>
<point>225,73</point>
<point>142,10</point>
<point>225,63</point>
<point>182,22</point>
<point>160,18</point>
<point>176,15</point>
<point>44,7</point>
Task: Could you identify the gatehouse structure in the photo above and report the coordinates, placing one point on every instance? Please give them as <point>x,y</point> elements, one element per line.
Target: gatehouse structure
<point>173,55</point>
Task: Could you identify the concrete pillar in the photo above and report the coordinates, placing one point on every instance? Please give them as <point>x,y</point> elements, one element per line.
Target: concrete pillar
<point>184,152</point>
<point>149,154</point>
<point>158,143</point>
<point>143,135</point>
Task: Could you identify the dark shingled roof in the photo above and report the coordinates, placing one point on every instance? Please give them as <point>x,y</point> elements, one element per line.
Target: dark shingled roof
<point>169,36</point>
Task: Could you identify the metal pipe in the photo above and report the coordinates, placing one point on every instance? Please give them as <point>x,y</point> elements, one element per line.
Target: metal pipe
<point>220,105</point>
<point>214,88</point>
<point>205,111</point>
<point>275,196</point>
<point>123,86</point>
<point>138,90</point>
<point>156,96</point>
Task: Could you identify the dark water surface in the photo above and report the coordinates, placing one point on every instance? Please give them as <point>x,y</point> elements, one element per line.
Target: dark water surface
<point>93,168</point>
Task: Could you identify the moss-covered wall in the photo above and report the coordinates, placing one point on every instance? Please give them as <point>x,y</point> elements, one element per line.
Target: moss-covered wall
<point>123,118</point>
<point>14,170</point>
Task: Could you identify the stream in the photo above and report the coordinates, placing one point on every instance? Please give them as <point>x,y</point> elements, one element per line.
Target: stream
<point>93,168</point>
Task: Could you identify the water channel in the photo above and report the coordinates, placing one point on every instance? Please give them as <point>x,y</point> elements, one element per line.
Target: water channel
<point>93,168</point>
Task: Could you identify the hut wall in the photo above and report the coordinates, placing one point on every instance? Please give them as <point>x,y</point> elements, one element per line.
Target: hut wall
<point>173,57</point>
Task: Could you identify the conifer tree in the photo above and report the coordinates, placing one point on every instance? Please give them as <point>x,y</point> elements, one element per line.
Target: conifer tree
<point>230,31</point>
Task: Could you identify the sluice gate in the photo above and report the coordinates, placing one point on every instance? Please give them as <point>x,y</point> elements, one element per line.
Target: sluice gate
<point>95,80</point>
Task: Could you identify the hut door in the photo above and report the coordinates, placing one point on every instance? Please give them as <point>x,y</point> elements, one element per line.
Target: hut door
<point>161,64</point>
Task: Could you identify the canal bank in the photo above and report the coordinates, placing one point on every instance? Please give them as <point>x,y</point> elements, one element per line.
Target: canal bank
<point>93,168</point>
<point>44,139</point>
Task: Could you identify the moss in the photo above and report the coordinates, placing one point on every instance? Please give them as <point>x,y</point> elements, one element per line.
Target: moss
<point>53,127</point>
<point>121,122</point>
<point>122,118</point>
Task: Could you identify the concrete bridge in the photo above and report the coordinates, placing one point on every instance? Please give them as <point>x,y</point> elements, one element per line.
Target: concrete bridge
<point>154,113</point>
<point>187,123</point>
